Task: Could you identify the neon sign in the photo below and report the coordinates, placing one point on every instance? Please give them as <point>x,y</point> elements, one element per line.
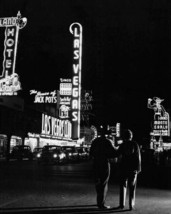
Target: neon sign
<point>76,30</point>
<point>86,105</point>
<point>65,87</point>
<point>65,98</point>
<point>161,122</point>
<point>44,97</point>
<point>118,129</point>
<point>86,101</point>
<point>54,127</point>
<point>9,80</point>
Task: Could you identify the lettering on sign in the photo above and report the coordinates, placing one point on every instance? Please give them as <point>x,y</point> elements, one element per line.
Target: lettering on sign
<point>65,80</point>
<point>65,98</point>
<point>9,80</point>
<point>161,121</point>
<point>65,88</point>
<point>44,97</point>
<point>76,30</point>
<point>54,127</point>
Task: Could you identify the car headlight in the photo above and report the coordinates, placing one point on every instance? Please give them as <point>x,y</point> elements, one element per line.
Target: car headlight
<point>70,154</point>
<point>61,156</point>
<point>38,155</point>
<point>55,155</point>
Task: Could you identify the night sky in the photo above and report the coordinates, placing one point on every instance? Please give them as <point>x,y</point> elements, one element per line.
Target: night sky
<point>126,52</point>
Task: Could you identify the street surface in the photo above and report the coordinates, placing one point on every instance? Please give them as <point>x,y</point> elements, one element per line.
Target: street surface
<point>27,187</point>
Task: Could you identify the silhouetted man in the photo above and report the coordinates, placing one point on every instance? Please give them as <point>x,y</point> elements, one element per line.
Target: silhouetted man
<point>101,151</point>
<point>130,166</point>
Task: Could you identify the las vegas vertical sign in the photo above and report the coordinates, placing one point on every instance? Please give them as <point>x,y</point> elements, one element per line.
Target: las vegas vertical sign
<point>76,31</point>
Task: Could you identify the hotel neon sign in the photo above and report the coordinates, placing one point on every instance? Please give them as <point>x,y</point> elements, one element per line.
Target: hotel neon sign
<point>9,80</point>
<point>76,30</point>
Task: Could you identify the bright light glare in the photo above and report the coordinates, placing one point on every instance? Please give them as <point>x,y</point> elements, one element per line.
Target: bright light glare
<point>38,155</point>
<point>55,155</point>
<point>61,155</point>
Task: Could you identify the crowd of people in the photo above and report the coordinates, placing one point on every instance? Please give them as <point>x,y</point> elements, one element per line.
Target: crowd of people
<point>102,151</point>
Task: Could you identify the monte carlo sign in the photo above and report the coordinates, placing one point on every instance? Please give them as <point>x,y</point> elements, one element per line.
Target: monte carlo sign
<point>161,121</point>
<point>9,80</point>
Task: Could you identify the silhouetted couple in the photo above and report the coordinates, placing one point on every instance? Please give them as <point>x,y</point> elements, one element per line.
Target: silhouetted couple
<point>102,150</point>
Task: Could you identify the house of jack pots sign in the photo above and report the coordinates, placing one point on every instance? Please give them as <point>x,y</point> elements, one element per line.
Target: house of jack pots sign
<point>44,97</point>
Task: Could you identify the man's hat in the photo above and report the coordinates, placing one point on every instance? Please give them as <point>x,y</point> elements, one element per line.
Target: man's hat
<point>126,134</point>
<point>103,130</point>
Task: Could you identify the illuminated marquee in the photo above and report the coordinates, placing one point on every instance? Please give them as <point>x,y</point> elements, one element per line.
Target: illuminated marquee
<point>9,80</point>
<point>161,122</point>
<point>54,127</point>
<point>76,30</point>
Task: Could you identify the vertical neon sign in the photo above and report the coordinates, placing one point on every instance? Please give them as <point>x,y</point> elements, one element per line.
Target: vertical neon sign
<point>76,30</point>
<point>9,80</point>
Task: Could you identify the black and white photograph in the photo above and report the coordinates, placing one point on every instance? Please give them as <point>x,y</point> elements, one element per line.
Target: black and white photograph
<point>85,104</point>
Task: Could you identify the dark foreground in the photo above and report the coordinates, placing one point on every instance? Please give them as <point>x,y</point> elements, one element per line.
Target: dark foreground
<point>29,188</point>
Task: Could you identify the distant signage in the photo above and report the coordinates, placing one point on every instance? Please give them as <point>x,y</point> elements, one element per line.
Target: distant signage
<point>161,126</point>
<point>65,98</point>
<point>115,130</point>
<point>9,80</point>
<point>86,105</point>
<point>86,100</point>
<point>161,122</point>
<point>64,111</point>
<point>44,97</point>
<point>118,129</point>
<point>76,30</point>
<point>54,127</point>
<point>112,129</point>
<point>65,87</point>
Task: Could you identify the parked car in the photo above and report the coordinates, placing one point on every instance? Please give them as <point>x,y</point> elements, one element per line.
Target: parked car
<point>51,154</point>
<point>37,152</point>
<point>71,153</point>
<point>83,154</point>
<point>21,152</point>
